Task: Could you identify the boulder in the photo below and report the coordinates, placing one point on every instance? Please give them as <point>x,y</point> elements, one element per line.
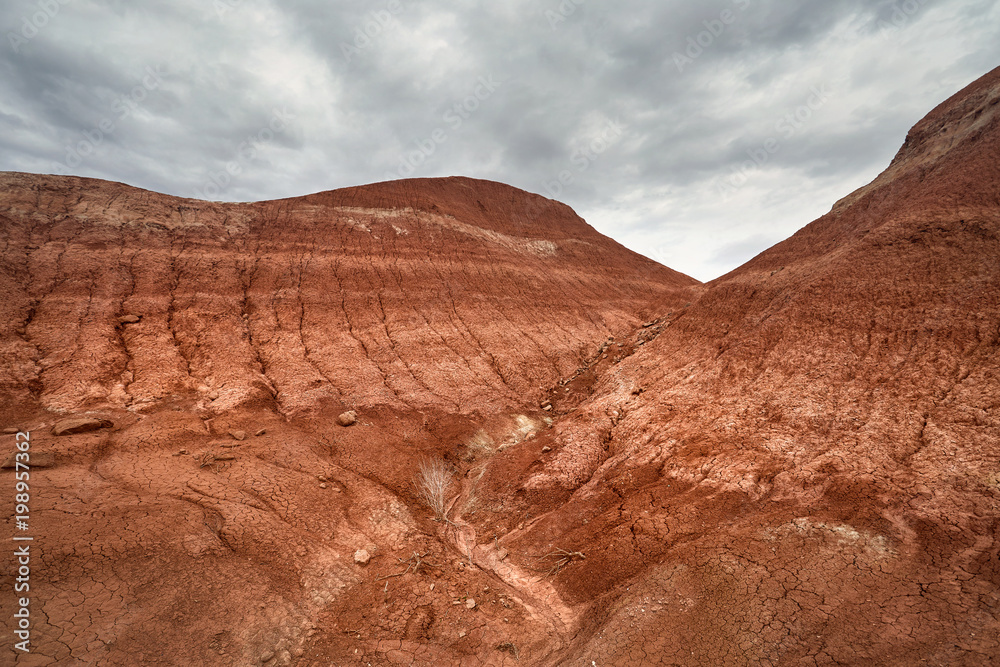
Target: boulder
<point>74,425</point>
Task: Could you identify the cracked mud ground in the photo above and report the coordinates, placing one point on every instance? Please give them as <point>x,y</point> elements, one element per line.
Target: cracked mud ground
<point>796,464</point>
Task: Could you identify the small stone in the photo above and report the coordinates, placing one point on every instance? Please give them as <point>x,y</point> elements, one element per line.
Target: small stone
<point>321,478</point>
<point>238,435</point>
<point>461,634</point>
<point>546,449</point>
<point>129,319</point>
<point>547,408</point>
<point>322,485</point>
<point>11,430</point>
<point>432,586</point>
<point>348,418</point>
<point>38,460</point>
<point>183,451</point>
<point>470,603</point>
<point>260,432</point>
<point>80,425</point>
<point>362,557</point>
<point>213,395</point>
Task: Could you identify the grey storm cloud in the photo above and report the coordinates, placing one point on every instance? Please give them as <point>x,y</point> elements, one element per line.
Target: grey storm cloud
<point>694,133</point>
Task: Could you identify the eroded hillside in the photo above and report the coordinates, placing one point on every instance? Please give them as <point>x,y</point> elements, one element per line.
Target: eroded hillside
<point>796,464</point>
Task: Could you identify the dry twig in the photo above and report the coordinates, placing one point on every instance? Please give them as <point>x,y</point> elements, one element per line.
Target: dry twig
<point>413,564</point>
<point>562,559</point>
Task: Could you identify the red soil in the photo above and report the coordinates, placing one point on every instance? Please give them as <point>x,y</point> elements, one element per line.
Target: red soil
<point>798,463</point>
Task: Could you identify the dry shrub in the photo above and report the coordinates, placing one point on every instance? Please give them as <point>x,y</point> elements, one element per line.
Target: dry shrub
<point>433,481</point>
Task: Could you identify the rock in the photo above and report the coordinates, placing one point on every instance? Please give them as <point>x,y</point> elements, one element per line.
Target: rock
<point>129,319</point>
<point>348,418</point>
<point>546,449</point>
<point>212,395</point>
<point>36,460</point>
<point>80,425</point>
<point>362,557</point>
<point>267,656</point>
<point>470,603</point>
<point>238,435</point>
<point>11,430</point>
<point>322,485</point>
<point>260,432</point>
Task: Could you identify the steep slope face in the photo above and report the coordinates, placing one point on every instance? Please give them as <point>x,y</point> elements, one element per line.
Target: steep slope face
<point>223,517</point>
<point>456,294</point>
<point>804,466</point>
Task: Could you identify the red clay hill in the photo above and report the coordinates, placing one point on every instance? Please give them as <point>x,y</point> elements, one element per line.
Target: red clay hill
<point>796,464</point>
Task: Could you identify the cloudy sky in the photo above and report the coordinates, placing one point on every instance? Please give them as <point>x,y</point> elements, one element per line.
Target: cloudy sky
<point>696,133</point>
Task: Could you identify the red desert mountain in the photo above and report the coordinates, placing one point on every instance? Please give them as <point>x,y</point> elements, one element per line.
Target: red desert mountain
<point>796,464</point>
